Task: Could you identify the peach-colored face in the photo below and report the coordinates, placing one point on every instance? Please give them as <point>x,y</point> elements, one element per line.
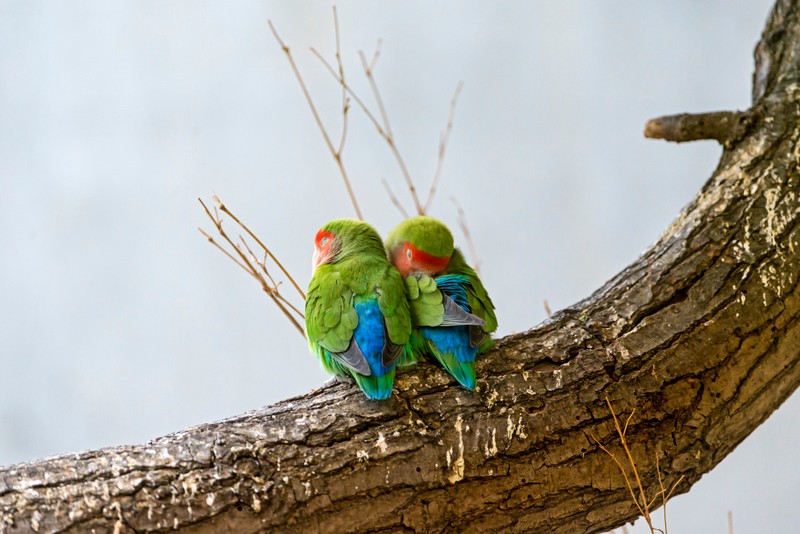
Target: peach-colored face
<point>408,259</point>
<point>323,248</point>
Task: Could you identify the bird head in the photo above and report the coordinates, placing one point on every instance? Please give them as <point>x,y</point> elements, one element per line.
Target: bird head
<point>344,238</point>
<point>420,244</point>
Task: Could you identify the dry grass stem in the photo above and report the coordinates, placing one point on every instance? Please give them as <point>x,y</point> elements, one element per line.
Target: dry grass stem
<point>336,153</point>
<point>462,224</point>
<point>547,309</point>
<point>248,261</point>
<point>443,140</point>
<point>641,502</point>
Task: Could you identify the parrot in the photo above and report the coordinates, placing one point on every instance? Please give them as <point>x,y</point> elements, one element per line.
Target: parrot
<point>358,320</point>
<point>451,311</point>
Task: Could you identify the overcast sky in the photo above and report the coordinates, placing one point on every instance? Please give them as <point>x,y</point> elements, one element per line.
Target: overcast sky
<point>118,321</point>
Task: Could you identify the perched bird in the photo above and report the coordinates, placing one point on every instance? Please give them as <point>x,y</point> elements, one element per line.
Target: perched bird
<point>357,316</point>
<point>451,311</point>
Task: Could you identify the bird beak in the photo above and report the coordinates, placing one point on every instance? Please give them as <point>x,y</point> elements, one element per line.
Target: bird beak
<point>315,259</point>
<point>320,257</point>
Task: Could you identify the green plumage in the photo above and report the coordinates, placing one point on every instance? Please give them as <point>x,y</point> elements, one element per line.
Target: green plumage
<point>358,276</point>
<point>479,302</point>
<point>426,233</point>
<point>452,322</point>
<point>425,300</point>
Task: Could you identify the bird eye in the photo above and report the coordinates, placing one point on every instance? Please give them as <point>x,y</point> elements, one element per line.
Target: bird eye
<point>408,253</point>
<point>323,241</point>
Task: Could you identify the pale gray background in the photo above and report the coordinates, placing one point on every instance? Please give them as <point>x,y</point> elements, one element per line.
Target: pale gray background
<point>119,323</point>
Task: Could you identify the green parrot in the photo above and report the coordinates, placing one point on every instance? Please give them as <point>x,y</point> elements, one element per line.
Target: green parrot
<point>358,319</point>
<point>451,311</point>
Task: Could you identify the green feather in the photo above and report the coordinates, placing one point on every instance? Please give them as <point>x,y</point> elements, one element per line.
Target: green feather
<point>376,387</point>
<point>359,269</point>
<point>464,372</point>
<point>427,308</point>
<point>477,296</point>
<point>426,233</point>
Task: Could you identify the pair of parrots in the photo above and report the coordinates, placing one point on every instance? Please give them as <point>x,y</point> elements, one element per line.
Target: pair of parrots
<point>372,307</point>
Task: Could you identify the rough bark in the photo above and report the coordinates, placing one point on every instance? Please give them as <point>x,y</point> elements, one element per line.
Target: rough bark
<point>701,335</point>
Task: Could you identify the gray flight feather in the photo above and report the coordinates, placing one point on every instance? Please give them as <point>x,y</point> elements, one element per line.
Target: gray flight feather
<point>353,359</point>
<point>455,316</point>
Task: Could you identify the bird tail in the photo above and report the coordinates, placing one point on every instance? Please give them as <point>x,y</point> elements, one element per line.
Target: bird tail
<point>412,350</point>
<point>462,371</point>
<point>376,387</point>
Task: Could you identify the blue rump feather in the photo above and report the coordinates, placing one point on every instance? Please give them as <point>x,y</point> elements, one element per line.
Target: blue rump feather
<point>370,334</point>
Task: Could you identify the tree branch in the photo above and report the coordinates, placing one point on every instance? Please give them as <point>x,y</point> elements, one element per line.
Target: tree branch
<point>722,126</point>
<point>700,335</point>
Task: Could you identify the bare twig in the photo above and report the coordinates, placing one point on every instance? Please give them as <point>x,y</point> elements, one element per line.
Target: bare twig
<point>462,224</point>
<point>393,198</point>
<point>337,154</point>
<point>386,131</point>
<point>345,100</point>
<point>260,243</point>
<point>383,126</point>
<point>730,522</point>
<point>443,139</point>
<point>263,276</point>
<point>547,309</point>
<point>275,285</point>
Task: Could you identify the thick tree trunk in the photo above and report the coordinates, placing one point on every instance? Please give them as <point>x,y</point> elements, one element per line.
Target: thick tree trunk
<point>701,335</point>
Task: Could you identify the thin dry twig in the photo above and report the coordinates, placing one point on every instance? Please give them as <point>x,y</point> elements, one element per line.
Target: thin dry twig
<point>393,198</point>
<point>641,502</point>
<point>663,493</point>
<point>383,126</point>
<point>345,100</point>
<point>265,279</point>
<point>624,474</point>
<point>547,309</point>
<point>263,265</point>
<point>462,224</point>
<point>261,244</point>
<point>336,153</point>
<point>443,140</point>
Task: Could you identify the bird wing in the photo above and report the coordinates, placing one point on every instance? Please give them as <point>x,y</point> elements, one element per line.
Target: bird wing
<point>396,313</point>
<point>425,299</point>
<point>479,302</point>
<point>331,319</point>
